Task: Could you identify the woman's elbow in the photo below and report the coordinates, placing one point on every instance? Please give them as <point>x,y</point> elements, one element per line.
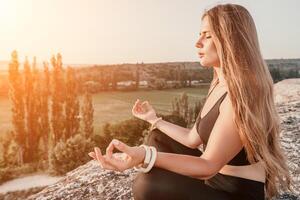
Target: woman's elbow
<point>211,171</point>
<point>193,144</point>
<point>207,176</point>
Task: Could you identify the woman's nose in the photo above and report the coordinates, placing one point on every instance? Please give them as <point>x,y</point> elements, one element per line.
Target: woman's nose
<point>199,43</point>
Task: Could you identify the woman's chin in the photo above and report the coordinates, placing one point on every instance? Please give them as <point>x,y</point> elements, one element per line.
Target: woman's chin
<point>203,63</point>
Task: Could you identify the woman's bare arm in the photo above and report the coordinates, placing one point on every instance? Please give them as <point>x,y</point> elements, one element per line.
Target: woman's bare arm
<point>223,144</point>
<point>185,136</point>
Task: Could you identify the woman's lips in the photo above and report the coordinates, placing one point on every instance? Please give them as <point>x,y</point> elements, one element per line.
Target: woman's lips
<point>201,55</point>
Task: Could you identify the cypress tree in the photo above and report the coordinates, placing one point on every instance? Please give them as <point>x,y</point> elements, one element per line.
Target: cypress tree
<point>72,105</point>
<point>37,114</point>
<point>113,72</point>
<point>33,105</point>
<point>44,110</point>
<point>58,118</point>
<point>88,114</point>
<point>16,94</point>
<point>137,76</point>
<point>28,90</point>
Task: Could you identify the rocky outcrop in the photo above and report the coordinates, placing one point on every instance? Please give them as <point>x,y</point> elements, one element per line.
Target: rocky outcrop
<point>91,182</point>
<point>287,98</point>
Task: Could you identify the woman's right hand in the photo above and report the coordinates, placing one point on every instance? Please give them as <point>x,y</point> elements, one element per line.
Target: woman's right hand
<point>144,111</point>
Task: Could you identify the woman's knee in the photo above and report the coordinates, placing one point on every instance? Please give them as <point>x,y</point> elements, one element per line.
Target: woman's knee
<point>141,188</point>
<point>151,186</point>
<point>164,143</point>
<point>153,137</point>
<point>160,140</point>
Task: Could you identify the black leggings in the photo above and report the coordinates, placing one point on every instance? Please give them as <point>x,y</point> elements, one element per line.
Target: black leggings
<point>164,184</point>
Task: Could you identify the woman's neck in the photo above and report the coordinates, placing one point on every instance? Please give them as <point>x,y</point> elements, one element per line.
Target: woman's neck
<point>220,75</point>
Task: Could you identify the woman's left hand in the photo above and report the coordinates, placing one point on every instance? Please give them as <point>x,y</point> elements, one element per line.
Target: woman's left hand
<point>132,156</point>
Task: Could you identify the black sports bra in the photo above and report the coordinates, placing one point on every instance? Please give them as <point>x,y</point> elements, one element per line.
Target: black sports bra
<point>205,125</point>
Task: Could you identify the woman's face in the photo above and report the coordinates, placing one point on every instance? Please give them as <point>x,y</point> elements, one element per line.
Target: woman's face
<point>207,51</point>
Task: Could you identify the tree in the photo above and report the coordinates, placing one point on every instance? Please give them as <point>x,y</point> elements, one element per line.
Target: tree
<point>32,102</point>
<point>181,107</point>
<point>72,105</point>
<point>58,118</point>
<point>275,73</point>
<point>114,77</point>
<point>28,90</point>
<point>8,144</point>
<point>44,110</point>
<point>137,76</point>
<point>178,77</point>
<point>16,94</point>
<point>68,155</point>
<point>37,116</point>
<point>88,114</point>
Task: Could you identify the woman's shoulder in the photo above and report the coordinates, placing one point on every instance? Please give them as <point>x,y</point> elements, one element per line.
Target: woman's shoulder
<point>226,104</point>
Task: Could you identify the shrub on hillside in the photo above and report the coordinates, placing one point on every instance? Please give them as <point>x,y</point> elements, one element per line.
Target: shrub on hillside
<point>66,156</point>
<point>131,131</point>
<point>9,151</point>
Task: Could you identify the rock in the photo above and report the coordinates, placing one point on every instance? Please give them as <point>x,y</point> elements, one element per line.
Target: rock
<point>91,182</point>
<point>20,194</point>
<point>287,91</point>
<point>287,98</point>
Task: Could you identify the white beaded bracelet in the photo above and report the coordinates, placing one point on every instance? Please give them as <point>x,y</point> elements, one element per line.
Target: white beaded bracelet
<point>152,161</point>
<point>146,159</point>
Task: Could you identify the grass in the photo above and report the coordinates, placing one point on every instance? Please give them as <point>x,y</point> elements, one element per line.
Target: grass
<point>116,106</point>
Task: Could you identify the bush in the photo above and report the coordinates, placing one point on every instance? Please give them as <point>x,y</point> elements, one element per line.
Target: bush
<point>131,131</point>
<point>9,151</point>
<point>182,107</point>
<point>128,131</point>
<point>5,174</point>
<point>66,156</point>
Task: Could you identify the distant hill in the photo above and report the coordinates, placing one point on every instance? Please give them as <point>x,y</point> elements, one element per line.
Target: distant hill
<point>4,65</point>
<point>272,63</point>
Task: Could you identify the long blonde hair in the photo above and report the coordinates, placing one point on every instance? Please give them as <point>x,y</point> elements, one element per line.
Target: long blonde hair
<point>251,91</point>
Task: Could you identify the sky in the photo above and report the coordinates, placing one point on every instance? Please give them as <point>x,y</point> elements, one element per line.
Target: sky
<point>133,31</point>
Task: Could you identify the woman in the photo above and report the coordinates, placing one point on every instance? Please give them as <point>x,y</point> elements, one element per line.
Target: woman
<point>238,126</point>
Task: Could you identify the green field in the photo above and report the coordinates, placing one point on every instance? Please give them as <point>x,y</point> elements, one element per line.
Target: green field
<point>116,106</point>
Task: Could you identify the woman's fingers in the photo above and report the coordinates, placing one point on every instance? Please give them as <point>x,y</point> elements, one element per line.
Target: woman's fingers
<point>99,156</point>
<point>109,161</point>
<point>134,109</point>
<point>107,166</point>
<point>93,155</point>
<point>136,106</point>
<point>103,161</point>
<point>110,149</point>
<point>145,106</point>
<point>122,147</point>
<point>120,165</point>
<point>139,107</point>
<point>148,104</point>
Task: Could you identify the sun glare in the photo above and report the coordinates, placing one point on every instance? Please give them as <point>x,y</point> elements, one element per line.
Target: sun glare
<point>8,13</point>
